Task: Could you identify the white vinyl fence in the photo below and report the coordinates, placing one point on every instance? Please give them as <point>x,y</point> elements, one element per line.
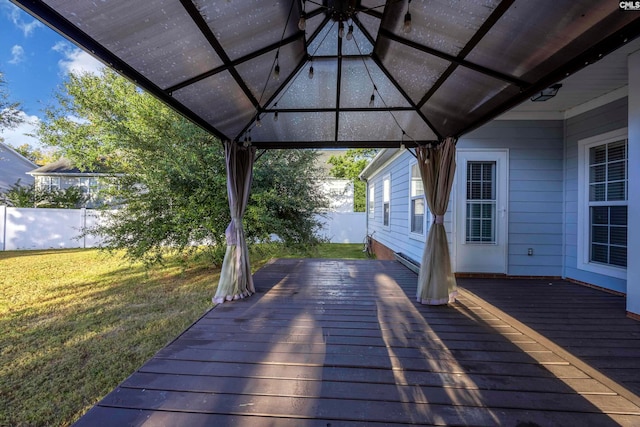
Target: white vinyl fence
<point>31,228</point>
<point>44,228</point>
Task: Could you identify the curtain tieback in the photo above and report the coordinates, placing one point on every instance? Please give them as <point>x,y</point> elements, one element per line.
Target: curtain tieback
<point>231,233</point>
<point>439,219</point>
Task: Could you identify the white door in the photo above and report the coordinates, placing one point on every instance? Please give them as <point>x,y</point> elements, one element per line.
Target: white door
<point>481,211</point>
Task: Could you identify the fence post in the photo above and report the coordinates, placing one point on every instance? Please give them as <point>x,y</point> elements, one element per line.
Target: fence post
<point>83,224</point>
<point>3,227</point>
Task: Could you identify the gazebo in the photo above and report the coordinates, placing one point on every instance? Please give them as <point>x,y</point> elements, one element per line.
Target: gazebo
<point>343,73</point>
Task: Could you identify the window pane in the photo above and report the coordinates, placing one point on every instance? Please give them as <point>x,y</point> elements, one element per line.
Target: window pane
<point>416,182</point>
<point>618,215</point>
<point>616,171</point>
<point>487,231</point>
<point>616,190</point>
<point>417,215</point>
<point>600,234</point>
<point>597,173</point>
<point>617,151</point>
<point>618,235</point>
<point>385,213</point>
<point>598,154</point>
<point>618,256</point>
<point>386,190</point>
<point>597,192</point>
<point>599,253</point>
<point>600,215</point>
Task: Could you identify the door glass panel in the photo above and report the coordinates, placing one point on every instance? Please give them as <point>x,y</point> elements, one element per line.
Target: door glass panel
<point>481,202</point>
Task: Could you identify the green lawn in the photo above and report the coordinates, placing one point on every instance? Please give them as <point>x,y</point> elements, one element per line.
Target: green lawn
<point>75,323</point>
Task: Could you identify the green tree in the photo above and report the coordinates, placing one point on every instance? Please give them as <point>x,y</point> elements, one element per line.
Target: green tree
<point>348,166</point>
<point>39,156</point>
<point>173,182</point>
<point>29,196</point>
<point>9,110</point>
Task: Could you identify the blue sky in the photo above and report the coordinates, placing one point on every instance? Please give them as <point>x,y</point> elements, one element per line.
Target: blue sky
<point>35,60</point>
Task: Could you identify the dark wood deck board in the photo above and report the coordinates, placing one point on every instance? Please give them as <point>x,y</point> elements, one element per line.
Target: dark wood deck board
<point>342,343</point>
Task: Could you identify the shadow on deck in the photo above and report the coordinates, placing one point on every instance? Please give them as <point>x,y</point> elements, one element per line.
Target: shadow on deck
<point>342,343</point>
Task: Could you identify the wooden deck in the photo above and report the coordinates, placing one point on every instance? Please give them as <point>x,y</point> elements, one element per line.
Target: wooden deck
<point>342,343</point>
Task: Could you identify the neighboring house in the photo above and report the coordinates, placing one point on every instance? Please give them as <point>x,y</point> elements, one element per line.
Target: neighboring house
<point>62,174</point>
<point>535,195</point>
<point>14,167</point>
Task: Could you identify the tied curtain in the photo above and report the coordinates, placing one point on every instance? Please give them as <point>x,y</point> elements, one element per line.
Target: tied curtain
<point>235,277</point>
<point>436,282</point>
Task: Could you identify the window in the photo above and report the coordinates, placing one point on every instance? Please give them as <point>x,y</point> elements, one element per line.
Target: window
<point>417,203</point>
<point>372,201</point>
<point>49,183</point>
<point>602,203</point>
<point>481,202</point>
<point>608,203</point>
<point>386,197</point>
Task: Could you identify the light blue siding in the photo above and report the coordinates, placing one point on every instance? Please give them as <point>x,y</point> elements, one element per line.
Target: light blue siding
<point>595,122</point>
<point>535,195</point>
<point>535,191</point>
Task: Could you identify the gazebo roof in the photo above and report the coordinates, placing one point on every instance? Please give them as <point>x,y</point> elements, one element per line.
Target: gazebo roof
<point>461,64</point>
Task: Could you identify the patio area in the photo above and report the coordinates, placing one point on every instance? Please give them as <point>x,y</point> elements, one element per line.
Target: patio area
<point>342,343</point>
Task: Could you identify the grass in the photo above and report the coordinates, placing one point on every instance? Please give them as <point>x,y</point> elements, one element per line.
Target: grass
<point>76,323</point>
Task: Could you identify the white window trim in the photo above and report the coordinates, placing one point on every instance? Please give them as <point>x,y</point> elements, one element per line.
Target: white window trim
<point>427,213</point>
<point>386,178</point>
<point>583,228</point>
<point>371,206</point>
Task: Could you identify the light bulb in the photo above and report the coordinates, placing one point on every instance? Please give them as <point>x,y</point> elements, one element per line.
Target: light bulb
<point>275,117</point>
<point>372,101</point>
<point>350,33</point>
<point>406,28</point>
<point>276,72</point>
<point>341,29</point>
<point>311,72</point>
<point>258,122</point>
<point>302,23</point>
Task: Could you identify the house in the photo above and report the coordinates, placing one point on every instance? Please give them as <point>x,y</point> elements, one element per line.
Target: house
<point>545,190</point>
<point>14,167</point>
<point>62,174</point>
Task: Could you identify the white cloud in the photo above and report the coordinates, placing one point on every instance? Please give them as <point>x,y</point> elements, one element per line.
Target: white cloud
<point>17,54</point>
<point>17,136</point>
<point>27,26</point>
<point>76,60</point>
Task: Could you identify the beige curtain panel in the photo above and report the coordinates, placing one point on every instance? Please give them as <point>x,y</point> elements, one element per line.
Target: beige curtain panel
<point>235,277</point>
<point>436,282</point>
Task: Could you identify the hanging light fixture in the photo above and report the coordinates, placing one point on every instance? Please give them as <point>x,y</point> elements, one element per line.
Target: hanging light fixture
<point>350,32</point>
<point>546,94</point>
<point>311,69</point>
<point>372,101</point>
<point>275,115</point>
<point>276,69</point>
<point>341,29</point>
<point>302,23</point>
<point>406,27</point>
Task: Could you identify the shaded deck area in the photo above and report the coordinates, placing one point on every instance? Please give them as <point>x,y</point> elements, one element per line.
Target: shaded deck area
<point>342,343</point>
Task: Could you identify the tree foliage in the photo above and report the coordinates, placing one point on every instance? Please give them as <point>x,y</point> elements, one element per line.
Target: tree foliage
<point>39,156</point>
<point>9,110</point>
<point>30,196</point>
<point>173,180</point>
<point>348,166</point>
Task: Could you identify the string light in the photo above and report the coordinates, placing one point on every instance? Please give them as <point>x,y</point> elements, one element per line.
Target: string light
<point>275,115</point>
<point>406,28</point>
<point>341,29</point>
<point>302,23</point>
<point>258,121</point>
<point>311,71</point>
<point>372,101</point>
<point>350,32</point>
